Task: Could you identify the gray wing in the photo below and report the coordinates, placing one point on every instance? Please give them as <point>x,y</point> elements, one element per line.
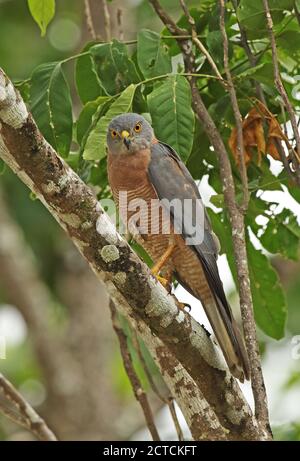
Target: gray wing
<point>172,180</point>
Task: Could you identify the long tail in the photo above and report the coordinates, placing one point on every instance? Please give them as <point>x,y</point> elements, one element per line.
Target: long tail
<point>229,338</point>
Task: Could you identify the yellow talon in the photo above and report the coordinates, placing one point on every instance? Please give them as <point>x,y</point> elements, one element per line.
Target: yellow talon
<point>165,282</point>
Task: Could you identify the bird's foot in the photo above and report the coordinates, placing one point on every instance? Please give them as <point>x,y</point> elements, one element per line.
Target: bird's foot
<point>165,282</point>
<point>182,306</point>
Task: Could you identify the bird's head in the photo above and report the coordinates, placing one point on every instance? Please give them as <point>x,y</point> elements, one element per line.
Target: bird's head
<point>128,134</point>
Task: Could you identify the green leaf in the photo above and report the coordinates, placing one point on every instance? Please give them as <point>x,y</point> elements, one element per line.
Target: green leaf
<point>289,41</point>
<point>251,14</point>
<point>87,81</point>
<point>263,73</point>
<point>86,116</point>
<point>42,12</point>
<point>115,68</point>
<point>282,235</point>
<point>96,143</point>
<point>172,116</point>
<point>214,42</point>
<point>51,105</point>
<point>269,302</point>
<point>152,54</point>
<point>201,157</point>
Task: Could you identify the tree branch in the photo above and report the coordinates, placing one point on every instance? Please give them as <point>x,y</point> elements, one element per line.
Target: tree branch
<point>250,55</point>
<point>89,19</point>
<point>277,78</point>
<point>237,226</point>
<point>20,412</point>
<point>200,417</point>
<point>236,112</point>
<point>107,22</point>
<point>73,205</point>
<point>138,390</point>
<point>199,44</point>
<point>169,400</point>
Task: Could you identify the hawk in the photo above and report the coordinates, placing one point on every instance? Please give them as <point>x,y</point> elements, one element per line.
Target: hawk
<point>149,170</point>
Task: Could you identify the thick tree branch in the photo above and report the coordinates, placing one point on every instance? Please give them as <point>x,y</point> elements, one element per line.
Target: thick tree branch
<point>200,417</point>
<point>15,407</point>
<point>73,205</point>
<point>237,226</point>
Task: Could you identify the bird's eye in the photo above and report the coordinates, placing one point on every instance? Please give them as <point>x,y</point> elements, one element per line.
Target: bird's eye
<point>114,134</point>
<point>138,127</point>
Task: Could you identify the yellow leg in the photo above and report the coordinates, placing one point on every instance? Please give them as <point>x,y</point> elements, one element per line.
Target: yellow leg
<point>160,263</point>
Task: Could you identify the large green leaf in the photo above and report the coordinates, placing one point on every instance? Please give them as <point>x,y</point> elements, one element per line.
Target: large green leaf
<point>42,12</point>
<point>263,73</point>
<point>282,235</point>
<point>95,146</point>
<point>87,81</point>
<point>268,297</point>
<point>51,105</point>
<point>115,68</point>
<point>152,54</point>
<point>172,116</point>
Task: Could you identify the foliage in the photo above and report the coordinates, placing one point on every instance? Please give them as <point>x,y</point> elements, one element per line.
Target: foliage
<point>42,12</point>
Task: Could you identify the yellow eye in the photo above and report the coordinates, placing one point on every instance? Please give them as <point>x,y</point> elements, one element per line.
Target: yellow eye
<point>138,127</point>
<point>114,134</point>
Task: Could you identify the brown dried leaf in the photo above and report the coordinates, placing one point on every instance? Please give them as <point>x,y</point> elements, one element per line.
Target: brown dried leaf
<point>254,136</point>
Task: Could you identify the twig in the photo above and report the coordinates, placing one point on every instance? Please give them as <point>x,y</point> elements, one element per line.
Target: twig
<point>236,112</point>
<point>136,344</point>
<point>252,58</point>
<point>107,23</point>
<point>199,44</point>
<point>238,231</point>
<point>138,390</point>
<point>22,413</point>
<point>169,401</point>
<point>277,78</point>
<point>120,23</point>
<point>89,20</point>
<point>175,419</point>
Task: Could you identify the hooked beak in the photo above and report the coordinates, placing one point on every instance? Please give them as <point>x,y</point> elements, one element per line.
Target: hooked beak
<point>126,139</point>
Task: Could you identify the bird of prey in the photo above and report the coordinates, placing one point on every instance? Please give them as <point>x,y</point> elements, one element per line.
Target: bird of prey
<point>145,168</point>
